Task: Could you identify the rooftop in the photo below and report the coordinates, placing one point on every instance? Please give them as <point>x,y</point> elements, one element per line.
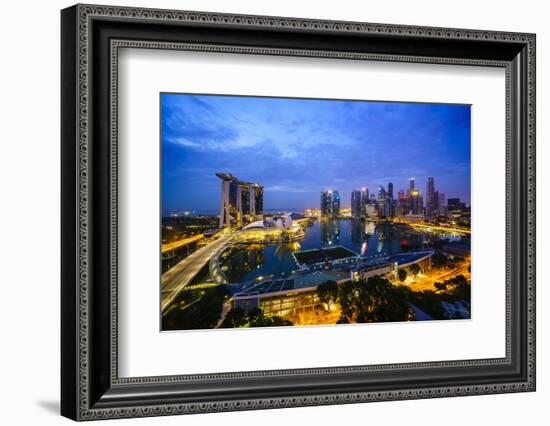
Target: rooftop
<point>310,257</point>
<point>229,177</point>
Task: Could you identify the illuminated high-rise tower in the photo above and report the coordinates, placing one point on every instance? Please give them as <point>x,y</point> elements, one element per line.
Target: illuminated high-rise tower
<point>390,191</point>
<point>356,204</point>
<point>411,185</point>
<point>364,200</point>
<point>240,202</point>
<point>431,199</point>
<point>326,203</point>
<point>335,204</point>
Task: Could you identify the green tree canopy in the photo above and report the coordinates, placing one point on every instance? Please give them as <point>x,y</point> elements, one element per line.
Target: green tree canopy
<point>439,260</point>
<point>440,286</point>
<point>415,270</point>
<point>375,300</point>
<point>328,293</point>
<point>238,317</point>
<point>235,318</point>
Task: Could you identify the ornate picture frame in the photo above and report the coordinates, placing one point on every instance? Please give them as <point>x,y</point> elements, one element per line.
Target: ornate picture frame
<point>91,37</point>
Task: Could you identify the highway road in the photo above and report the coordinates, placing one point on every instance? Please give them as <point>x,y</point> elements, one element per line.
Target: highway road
<point>180,243</point>
<point>176,278</point>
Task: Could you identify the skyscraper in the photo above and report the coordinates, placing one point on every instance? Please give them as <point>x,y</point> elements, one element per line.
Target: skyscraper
<point>259,201</point>
<point>389,200</point>
<point>384,203</point>
<point>454,204</point>
<point>431,202</point>
<point>335,204</point>
<point>411,186</point>
<point>356,204</point>
<point>402,205</point>
<point>371,211</point>
<point>381,193</point>
<point>416,202</point>
<point>364,201</point>
<point>240,203</point>
<point>326,203</point>
<point>442,207</point>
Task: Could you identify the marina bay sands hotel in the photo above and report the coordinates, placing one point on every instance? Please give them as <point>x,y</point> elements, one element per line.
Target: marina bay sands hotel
<point>241,202</point>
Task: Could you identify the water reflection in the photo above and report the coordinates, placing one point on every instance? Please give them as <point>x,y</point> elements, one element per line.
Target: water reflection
<point>365,238</point>
<point>357,231</point>
<point>286,250</point>
<point>330,231</point>
<point>243,260</point>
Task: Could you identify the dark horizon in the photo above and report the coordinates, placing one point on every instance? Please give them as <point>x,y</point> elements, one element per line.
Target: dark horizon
<point>297,148</point>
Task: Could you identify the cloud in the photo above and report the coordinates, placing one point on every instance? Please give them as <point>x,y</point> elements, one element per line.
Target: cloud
<point>296,148</point>
<point>212,126</point>
<point>287,188</point>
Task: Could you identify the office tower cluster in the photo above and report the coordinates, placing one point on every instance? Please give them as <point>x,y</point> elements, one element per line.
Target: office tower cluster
<point>385,204</point>
<point>359,202</point>
<point>435,201</point>
<point>458,211</point>
<point>330,203</point>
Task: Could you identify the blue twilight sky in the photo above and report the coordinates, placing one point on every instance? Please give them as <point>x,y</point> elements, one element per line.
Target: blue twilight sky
<point>297,148</point>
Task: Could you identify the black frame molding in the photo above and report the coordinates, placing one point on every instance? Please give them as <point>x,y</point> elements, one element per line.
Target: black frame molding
<point>90,38</point>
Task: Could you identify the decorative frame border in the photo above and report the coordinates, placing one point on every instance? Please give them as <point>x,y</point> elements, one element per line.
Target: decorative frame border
<point>85,14</point>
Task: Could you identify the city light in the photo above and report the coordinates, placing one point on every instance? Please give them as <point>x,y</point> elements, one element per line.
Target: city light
<point>309,238</point>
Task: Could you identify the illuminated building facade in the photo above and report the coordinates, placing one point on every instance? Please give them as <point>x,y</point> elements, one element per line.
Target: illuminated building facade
<point>364,200</point>
<point>441,205</point>
<point>330,203</point>
<point>335,204</point>
<point>416,203</point>
<point>356,204</point>
<point>435,201</point>
<point>401,204</point>
<point>431,198</point>
<point>411,186</point>
<point>385,201</point>
<point>240,203</point>
<point>454,204</point>
<point>458,211</point>
<point>326,203</point>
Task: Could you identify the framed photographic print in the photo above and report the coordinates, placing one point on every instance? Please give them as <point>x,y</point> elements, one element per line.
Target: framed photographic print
<point>263,212</point>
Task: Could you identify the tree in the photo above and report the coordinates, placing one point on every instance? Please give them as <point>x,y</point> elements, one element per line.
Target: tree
<point>277,321</point>
<point>462,291</point>
<point>274,321</point>
<point>375,300</point>
<point>440,286</point>
<point>238,317</point>
<point>415,270</point>
<point>255,314</point>
<point>328,293</point>
<point>458,280</point>
<point>235,318</point>
<point>429,302</point>
<point>402,274</point>
<point>439,260</point>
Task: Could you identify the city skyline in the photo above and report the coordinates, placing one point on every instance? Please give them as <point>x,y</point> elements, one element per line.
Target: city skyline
<point>298,148</point>
<point>347,194</point>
